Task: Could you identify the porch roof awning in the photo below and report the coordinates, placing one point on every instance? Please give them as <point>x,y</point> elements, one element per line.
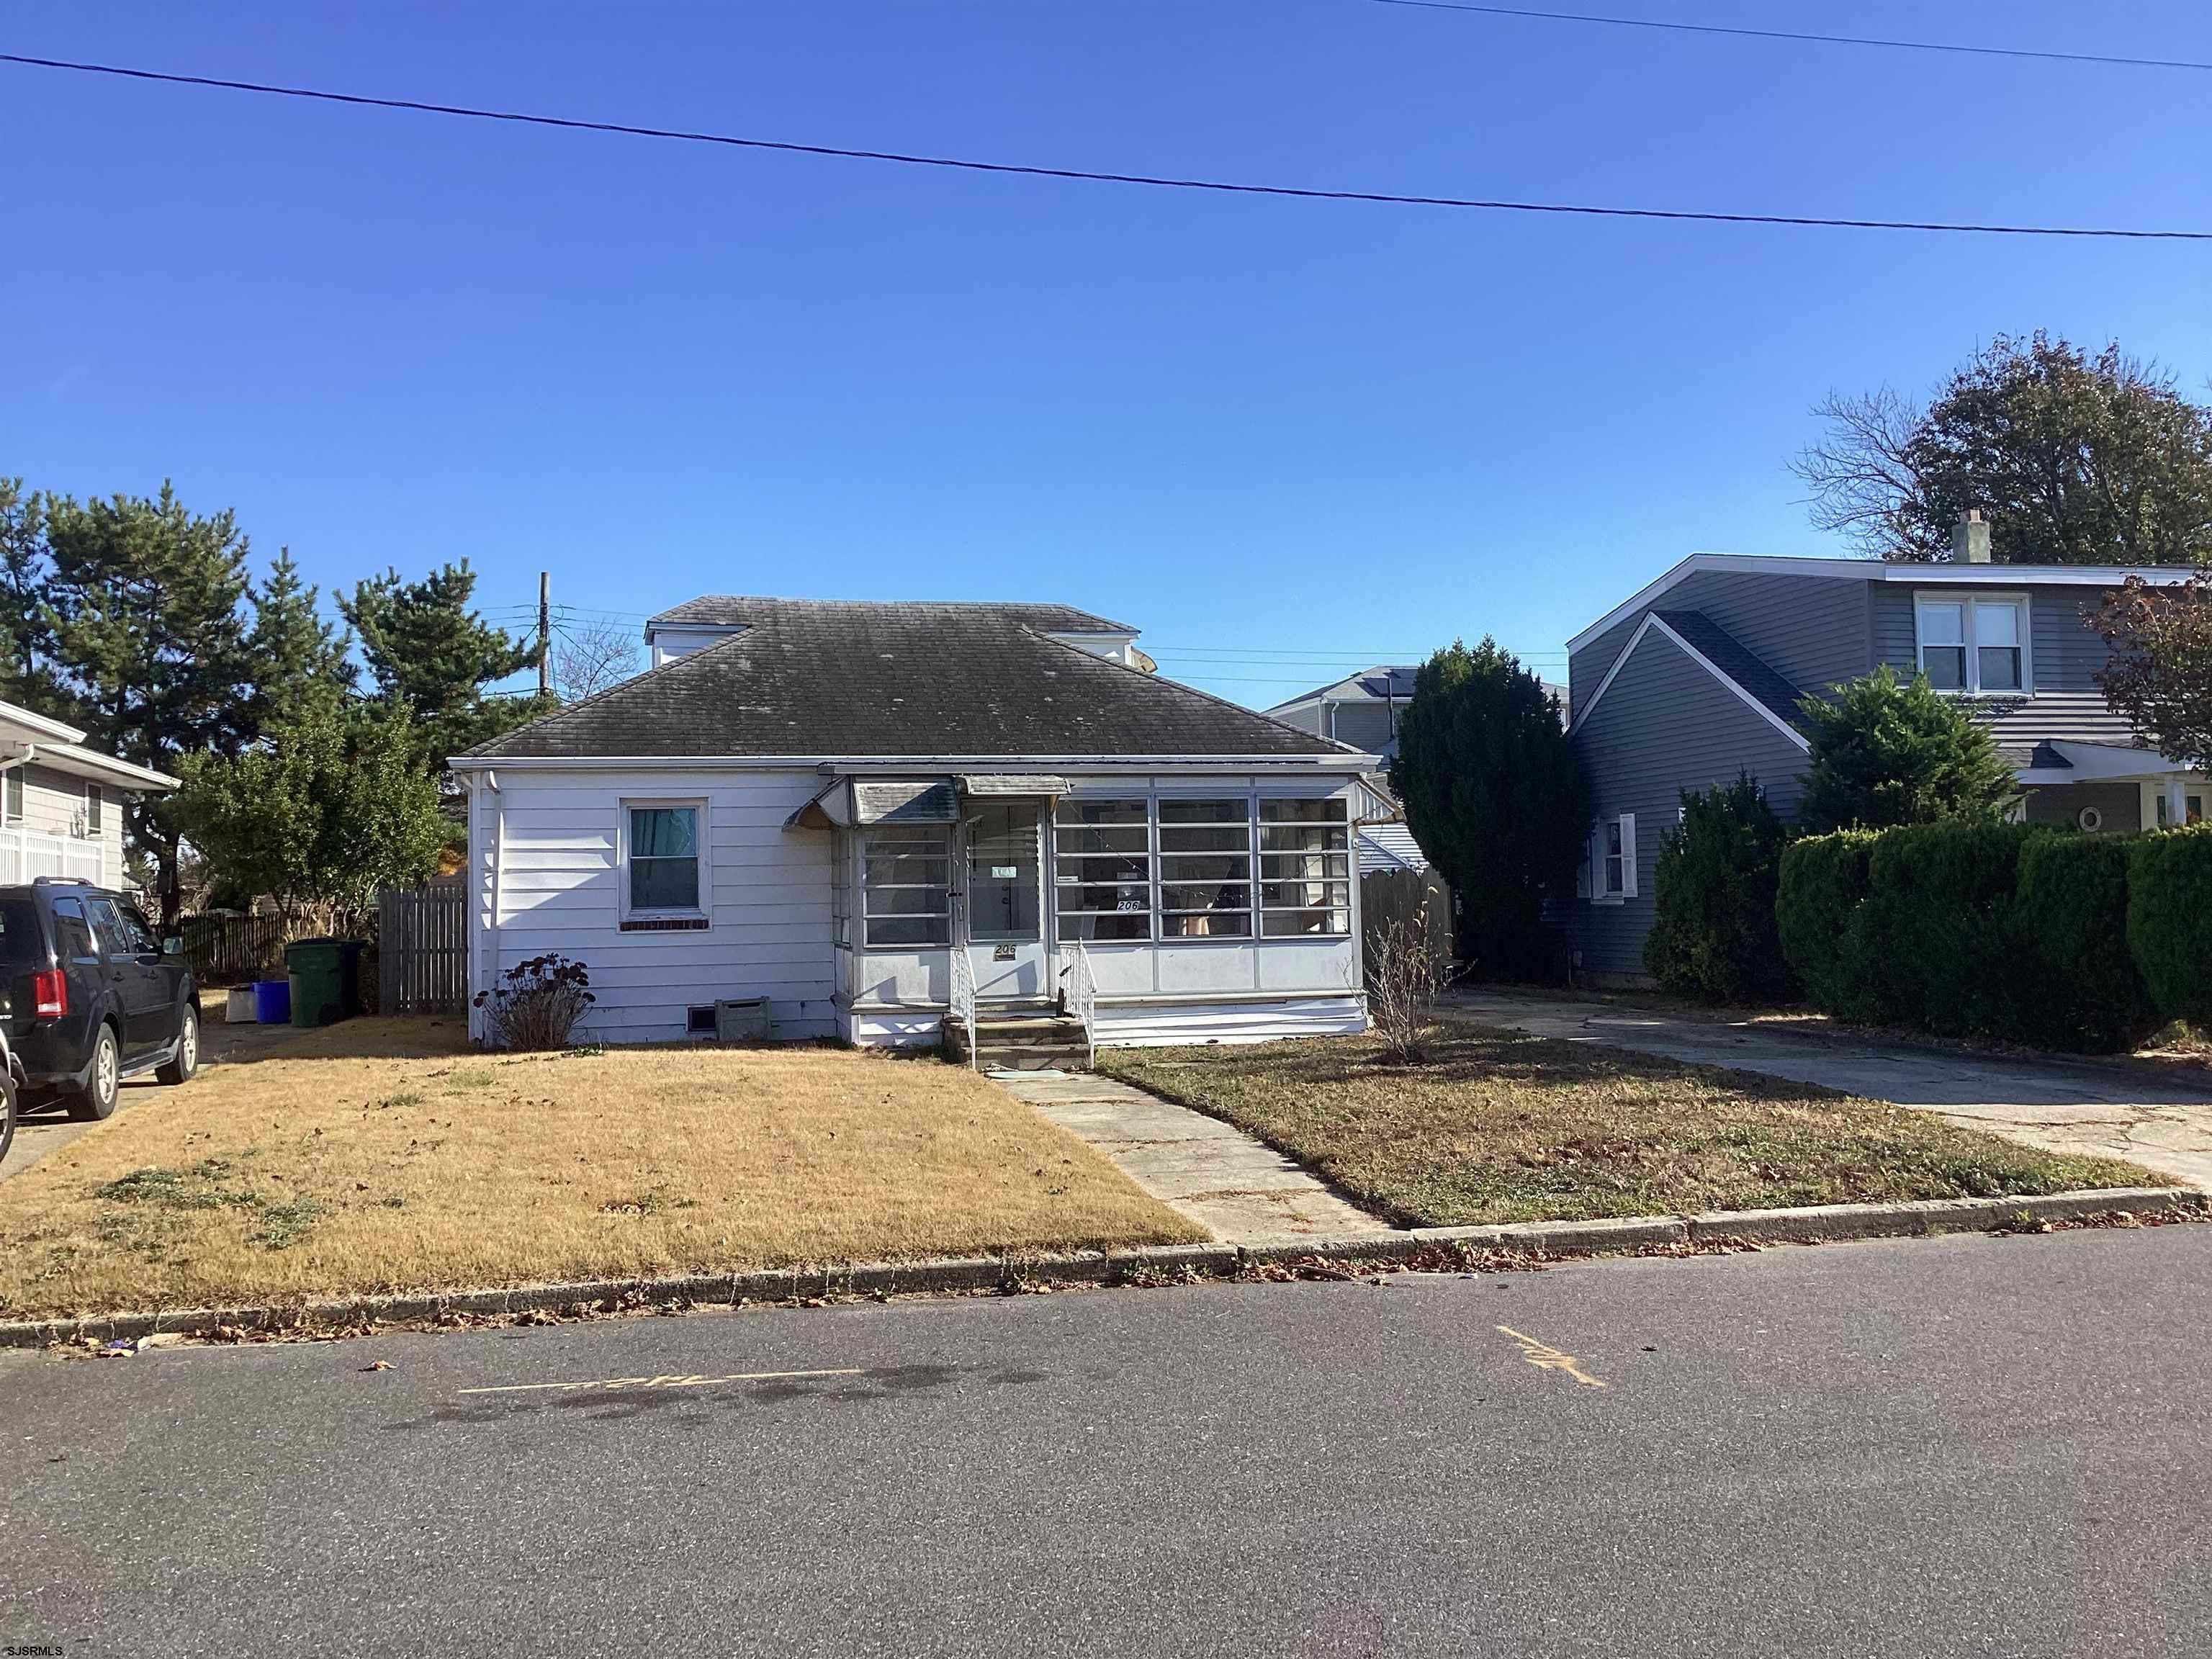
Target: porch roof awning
<point>2059,761</point>
<point>1011,783</point>
<point>855,801</point>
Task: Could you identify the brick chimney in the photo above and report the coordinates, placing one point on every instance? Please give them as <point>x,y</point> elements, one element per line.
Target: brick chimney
<point>1970,538</point>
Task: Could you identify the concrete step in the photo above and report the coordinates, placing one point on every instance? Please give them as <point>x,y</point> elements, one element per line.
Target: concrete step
<point>1013,1058</point>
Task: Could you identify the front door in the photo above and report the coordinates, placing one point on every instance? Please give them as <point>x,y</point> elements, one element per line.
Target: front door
<point>1006,894</point>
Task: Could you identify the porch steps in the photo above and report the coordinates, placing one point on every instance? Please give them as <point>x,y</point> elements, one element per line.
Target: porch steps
<point>1023,1040</point>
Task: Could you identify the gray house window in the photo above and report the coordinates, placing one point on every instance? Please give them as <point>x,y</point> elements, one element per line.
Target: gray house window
<point>906,884</point>
<point>1975,644</point>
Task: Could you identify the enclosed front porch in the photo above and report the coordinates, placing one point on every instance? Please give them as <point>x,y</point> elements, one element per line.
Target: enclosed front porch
<point>1141,909</point>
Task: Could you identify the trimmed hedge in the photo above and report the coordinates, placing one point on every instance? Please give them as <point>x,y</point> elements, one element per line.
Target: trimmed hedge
<point>2074,902</point>
<point>1823,882</point>
<point>2169,920</point>
<point>1940,935</point>
<point>2035,935</point>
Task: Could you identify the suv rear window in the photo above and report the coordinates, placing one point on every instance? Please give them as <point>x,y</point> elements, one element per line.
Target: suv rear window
<point>22,940</point>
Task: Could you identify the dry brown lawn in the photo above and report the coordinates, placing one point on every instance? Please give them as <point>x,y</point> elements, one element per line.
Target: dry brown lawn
<point>386,1155</point>
<point>1497,1126</point>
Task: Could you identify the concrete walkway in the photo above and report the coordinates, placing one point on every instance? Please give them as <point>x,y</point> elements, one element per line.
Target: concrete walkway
<point>2059,1105</point>
<point>1240,1191</point>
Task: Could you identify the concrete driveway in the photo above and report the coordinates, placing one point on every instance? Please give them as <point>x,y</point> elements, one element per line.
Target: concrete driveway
<point>2062,1106</point>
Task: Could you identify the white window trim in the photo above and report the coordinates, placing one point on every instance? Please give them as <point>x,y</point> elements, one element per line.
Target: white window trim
<point>1598,893</point>
<point>1966,600</point>
<point>703,911</point>
<point>14,780</point>
<point>96,812</point>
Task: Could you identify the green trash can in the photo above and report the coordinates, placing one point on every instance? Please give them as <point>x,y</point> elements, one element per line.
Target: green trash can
<point>325,980</point>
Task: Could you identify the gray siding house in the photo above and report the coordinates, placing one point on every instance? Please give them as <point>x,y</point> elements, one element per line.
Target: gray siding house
<point>1699,675</point>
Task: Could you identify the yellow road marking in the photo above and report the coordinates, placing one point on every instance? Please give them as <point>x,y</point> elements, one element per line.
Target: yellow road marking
<point>1545,1356</point>
<point>677,1380</point>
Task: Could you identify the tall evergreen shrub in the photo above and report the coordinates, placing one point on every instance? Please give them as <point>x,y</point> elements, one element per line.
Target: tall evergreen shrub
<point>1822,883</point>
<point>2073,907</point>
<point>1713,933</point>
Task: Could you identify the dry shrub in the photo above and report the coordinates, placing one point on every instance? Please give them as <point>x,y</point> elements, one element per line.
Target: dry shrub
<point>536,1004</point>
<point>1405,972</point>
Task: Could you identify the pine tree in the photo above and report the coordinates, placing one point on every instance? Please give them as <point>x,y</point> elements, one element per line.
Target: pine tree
<point>298,657</point>
<point>27,677</point>
<point>1493,795</point>
<point>146,603</point>
<point>1888,751</point>
<point>428,650</point>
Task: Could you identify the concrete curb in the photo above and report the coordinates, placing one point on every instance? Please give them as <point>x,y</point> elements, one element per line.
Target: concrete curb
<point>1823,1223</point>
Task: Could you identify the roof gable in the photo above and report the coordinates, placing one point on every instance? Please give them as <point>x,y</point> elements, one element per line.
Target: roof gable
<point>1709,645</point>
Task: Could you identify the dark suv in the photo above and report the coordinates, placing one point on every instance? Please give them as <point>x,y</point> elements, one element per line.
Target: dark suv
<point>89,997</point>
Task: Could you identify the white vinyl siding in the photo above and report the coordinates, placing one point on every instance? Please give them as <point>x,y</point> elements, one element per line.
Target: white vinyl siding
<point>554,864</point>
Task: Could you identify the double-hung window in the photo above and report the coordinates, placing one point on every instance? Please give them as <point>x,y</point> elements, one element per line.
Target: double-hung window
<point>1305,867</point>
<point>1206,869</point>
<point>906,886</point>
<point>11,800</point>
<point>95,805</point>
<point>1975,644</point>
<point>1612,859</point>
<point>663,881</point>
<point>1102,869</point>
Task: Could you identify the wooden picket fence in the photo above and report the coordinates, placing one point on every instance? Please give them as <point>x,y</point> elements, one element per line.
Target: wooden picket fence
<point>422,949</point>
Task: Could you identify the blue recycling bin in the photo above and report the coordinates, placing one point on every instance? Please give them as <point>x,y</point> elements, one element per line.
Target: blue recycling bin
<point>272,1002</point>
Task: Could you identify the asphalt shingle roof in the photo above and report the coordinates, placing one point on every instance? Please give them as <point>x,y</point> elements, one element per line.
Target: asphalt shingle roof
<point>737,611</point>
<point>813,677</point>
<point>1719,646</point>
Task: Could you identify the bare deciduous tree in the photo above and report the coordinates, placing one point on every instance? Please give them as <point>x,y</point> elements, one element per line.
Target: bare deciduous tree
<point>1865,485</point>
<point>590,658</point>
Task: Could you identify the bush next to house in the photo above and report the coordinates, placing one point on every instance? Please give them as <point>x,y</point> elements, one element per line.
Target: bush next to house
<point>2073,898</point>
<point>1888,751</point>
<point>2169,920</point>
<point>1822,881</point>
<point>1713,933</point>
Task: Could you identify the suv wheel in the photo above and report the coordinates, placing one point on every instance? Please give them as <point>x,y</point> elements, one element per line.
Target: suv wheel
<point>97,1100</point>
<point>187,1062</point>
<point>7,1111</point>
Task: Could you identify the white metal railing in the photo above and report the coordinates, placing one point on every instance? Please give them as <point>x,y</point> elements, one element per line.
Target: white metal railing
<point>1083,993</point>
<point>964,997</point>
<point>25,855</point>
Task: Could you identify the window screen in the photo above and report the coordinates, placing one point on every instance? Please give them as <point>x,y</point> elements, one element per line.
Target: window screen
<point>1102,869</point>
<point>1206,869</point>
<point>1305,867</point>
<point>906,886</point>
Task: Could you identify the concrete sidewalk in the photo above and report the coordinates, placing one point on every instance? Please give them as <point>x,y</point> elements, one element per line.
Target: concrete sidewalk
<point>1213,1172</point>
<point>2059,1105</point>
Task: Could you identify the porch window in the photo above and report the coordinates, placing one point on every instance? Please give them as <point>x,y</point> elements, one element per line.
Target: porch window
<point>1206,869</point>
<point>1978,645</point>
<point>1102,870</point>
<point>2192,804</point>
<point>660,853</point>
<point>1305,867</point>
<point>14,808</point>
<point>906,882</point>
<point>95,805</point>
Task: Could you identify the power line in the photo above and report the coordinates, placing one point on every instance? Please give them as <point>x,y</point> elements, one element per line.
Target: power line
<point>1531,12</point>
<point>1155,180</point>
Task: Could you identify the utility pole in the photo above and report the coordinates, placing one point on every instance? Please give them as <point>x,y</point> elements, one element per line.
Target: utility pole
<point>544,632</point>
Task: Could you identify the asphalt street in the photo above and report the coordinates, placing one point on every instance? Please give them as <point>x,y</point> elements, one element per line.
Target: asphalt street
<point>1974,1446</point>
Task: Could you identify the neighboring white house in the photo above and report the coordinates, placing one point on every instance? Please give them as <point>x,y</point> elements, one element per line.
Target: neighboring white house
<point>873,815</point>
<point>61,804</point>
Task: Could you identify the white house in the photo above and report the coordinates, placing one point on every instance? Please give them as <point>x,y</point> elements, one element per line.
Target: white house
<point>876,815</point>
<point>61,804</point>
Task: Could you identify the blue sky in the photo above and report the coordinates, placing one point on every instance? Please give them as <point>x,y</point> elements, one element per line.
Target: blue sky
<point>1277,435</point>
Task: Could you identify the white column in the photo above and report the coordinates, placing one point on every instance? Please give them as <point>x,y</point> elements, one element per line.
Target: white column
<point>2177,800</point>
